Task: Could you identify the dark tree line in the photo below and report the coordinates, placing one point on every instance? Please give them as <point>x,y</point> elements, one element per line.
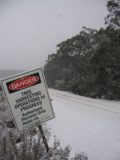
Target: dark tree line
<point>89,63</point>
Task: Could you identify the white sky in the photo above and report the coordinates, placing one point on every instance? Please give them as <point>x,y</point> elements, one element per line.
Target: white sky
<point>31,29</point>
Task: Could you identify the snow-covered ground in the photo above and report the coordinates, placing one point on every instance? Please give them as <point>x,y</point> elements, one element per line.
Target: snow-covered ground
<point>86,124</point>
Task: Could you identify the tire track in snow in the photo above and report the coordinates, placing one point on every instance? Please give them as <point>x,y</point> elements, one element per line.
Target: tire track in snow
<point>91,102</point>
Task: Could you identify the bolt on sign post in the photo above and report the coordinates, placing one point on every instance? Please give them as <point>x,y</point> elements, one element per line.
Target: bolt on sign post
<point>28,100</point>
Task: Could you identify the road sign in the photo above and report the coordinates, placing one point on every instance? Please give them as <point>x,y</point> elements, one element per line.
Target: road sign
<point>28,98</point>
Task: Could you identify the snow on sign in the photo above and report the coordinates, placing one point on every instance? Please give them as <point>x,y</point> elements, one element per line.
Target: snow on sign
<point>28,99</point>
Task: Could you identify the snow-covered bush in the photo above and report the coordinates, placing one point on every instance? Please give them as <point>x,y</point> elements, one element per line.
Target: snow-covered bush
<point>32,148</point>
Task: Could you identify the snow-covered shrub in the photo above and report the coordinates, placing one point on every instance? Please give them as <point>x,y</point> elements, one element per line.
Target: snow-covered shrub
<point>32,148</point>
<point>80,156</point>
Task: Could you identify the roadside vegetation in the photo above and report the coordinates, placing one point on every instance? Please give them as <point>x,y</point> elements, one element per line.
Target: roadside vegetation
<point>88,64</point>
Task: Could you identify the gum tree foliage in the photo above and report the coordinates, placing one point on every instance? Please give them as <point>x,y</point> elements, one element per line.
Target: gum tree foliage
<point>89,63</point>
<point>69,68</point>
<point>106,64</point>
<point>113,18</point>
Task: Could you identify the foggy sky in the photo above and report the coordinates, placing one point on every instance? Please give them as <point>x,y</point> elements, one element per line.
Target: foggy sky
<point>31,29</point>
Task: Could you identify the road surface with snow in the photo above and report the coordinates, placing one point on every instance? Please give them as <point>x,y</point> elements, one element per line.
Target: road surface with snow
<point>87,125</point>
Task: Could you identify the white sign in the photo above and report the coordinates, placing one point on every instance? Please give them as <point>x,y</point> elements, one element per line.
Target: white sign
<point>28,99</point>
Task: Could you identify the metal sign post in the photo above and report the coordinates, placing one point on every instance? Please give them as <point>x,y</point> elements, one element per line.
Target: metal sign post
<point>44,138</point>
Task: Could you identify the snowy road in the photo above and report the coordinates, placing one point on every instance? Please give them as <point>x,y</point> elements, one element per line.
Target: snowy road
<point>88,125</point>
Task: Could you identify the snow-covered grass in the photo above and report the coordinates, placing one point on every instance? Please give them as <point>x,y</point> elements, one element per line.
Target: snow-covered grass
<point>88,125</point>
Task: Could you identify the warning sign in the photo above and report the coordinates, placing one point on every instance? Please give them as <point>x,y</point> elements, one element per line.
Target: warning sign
<point>28,99</point>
